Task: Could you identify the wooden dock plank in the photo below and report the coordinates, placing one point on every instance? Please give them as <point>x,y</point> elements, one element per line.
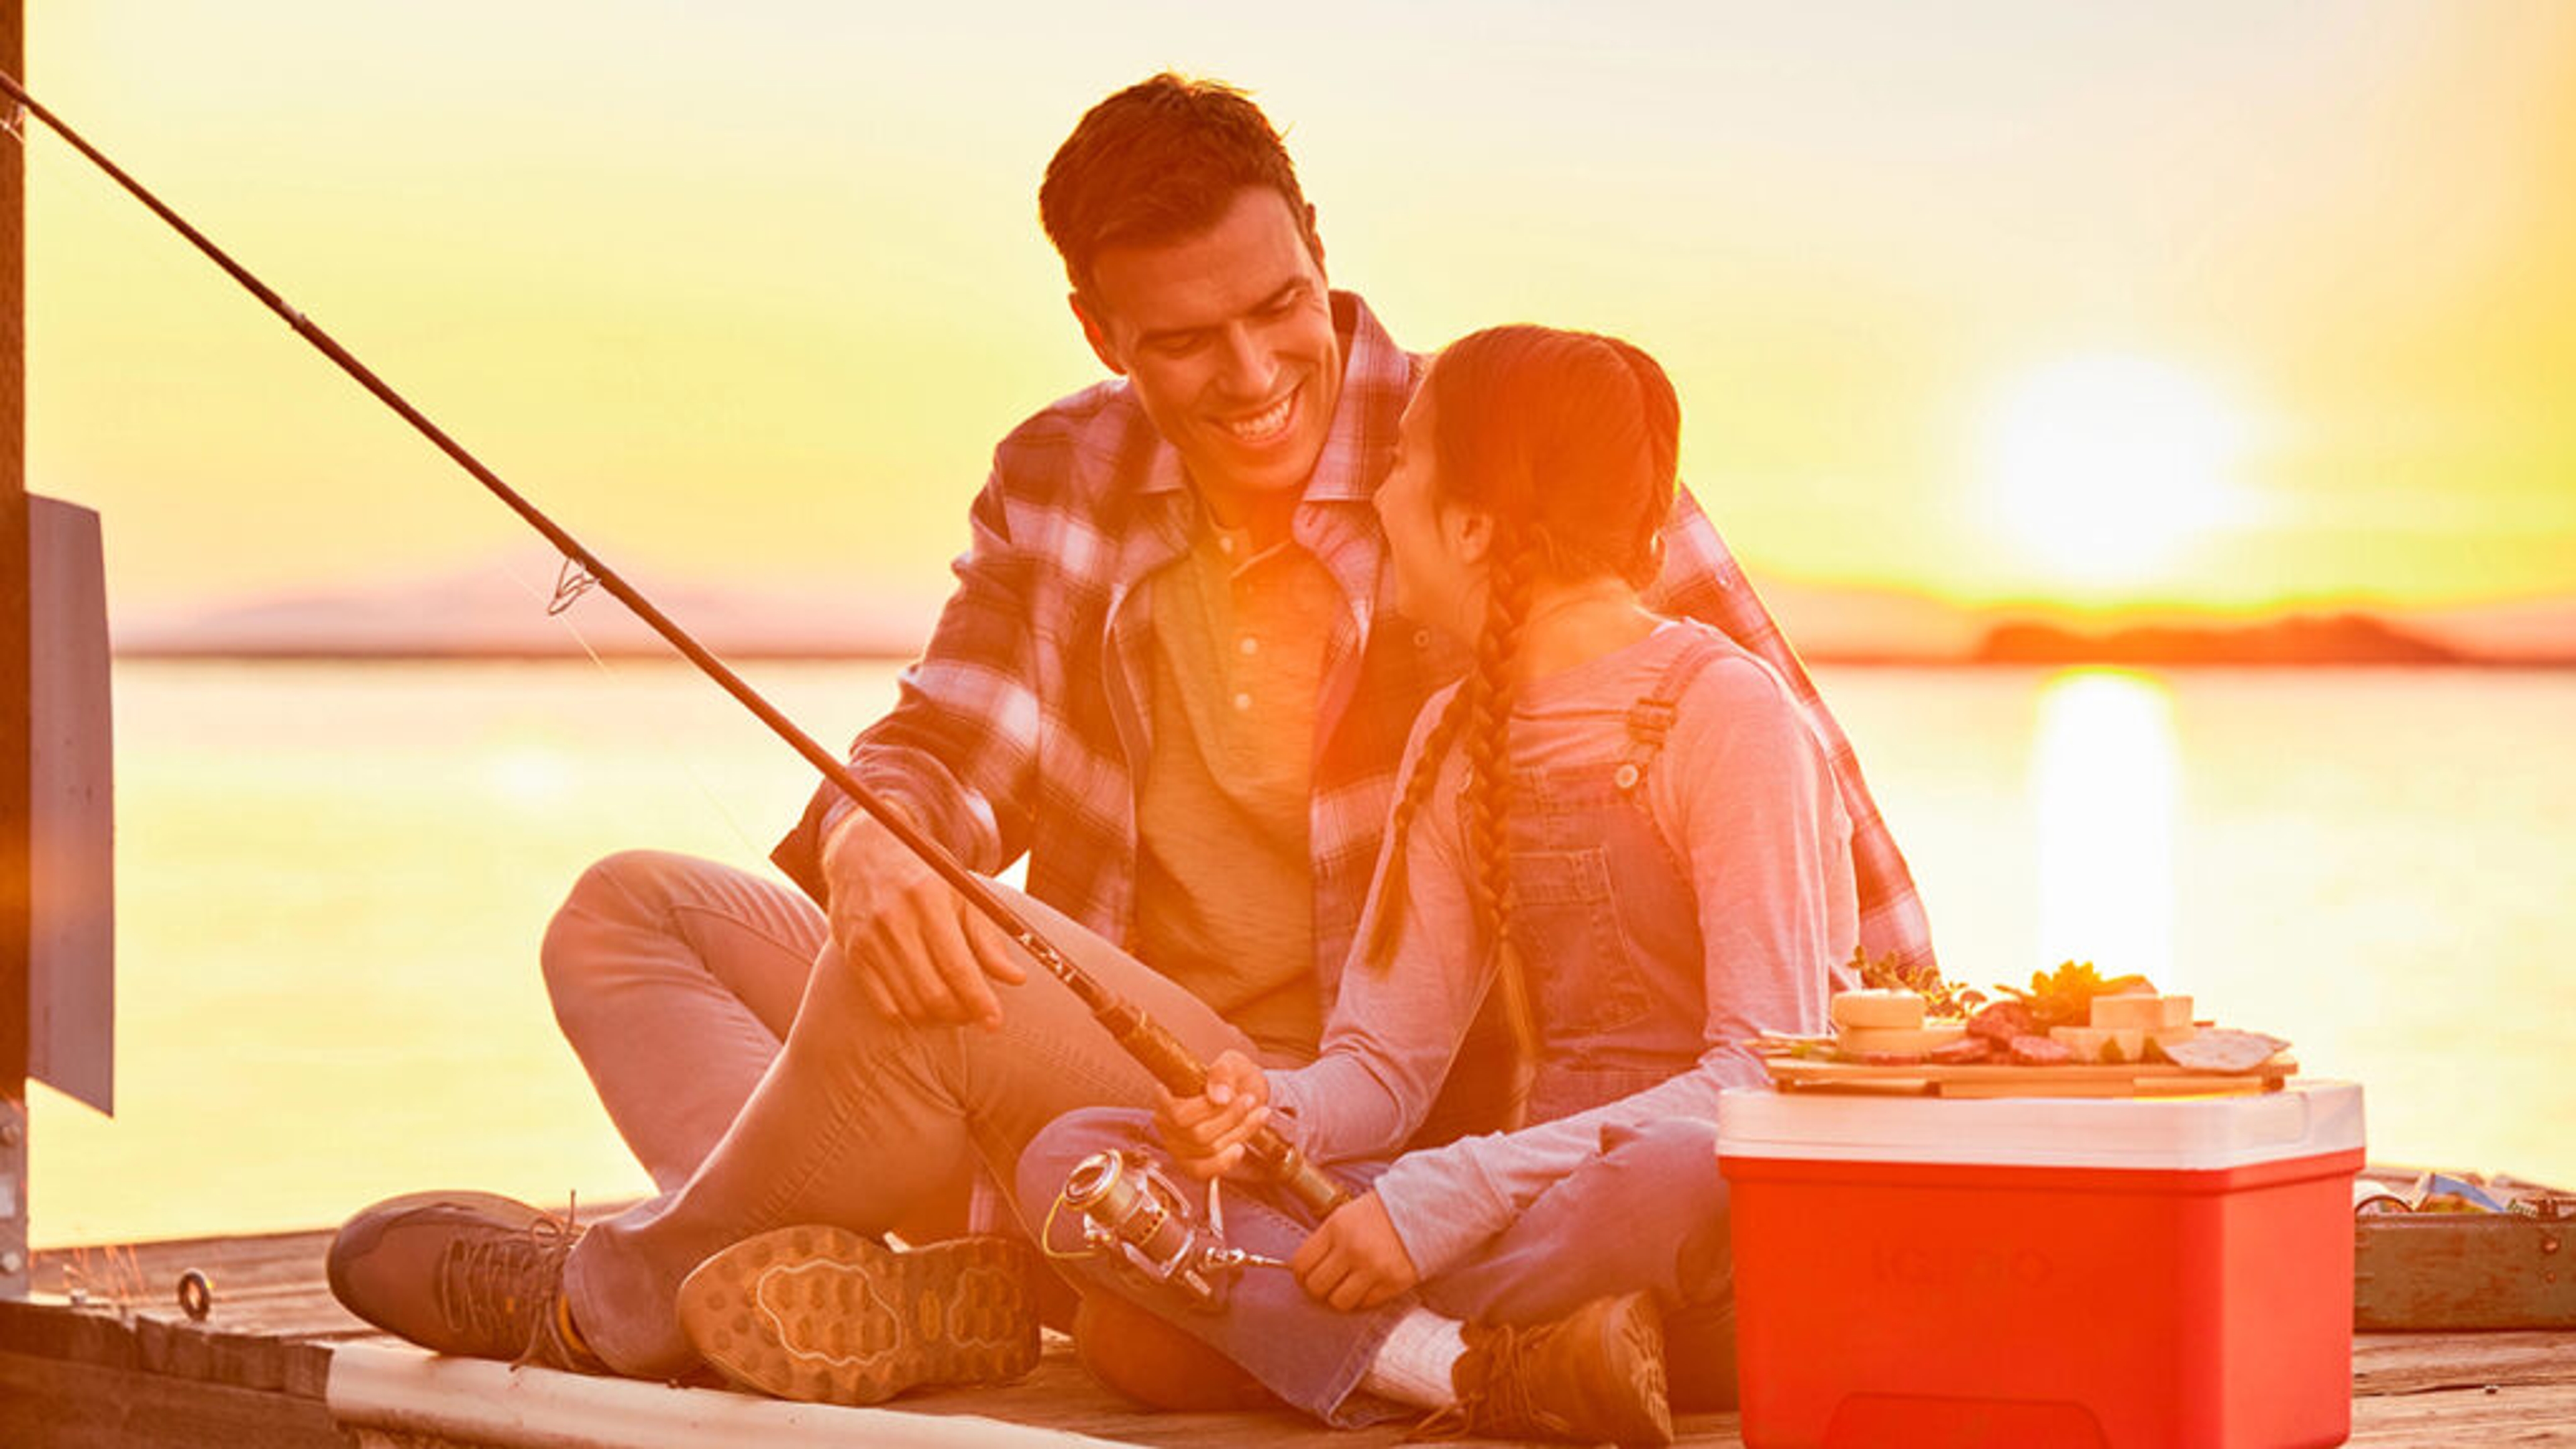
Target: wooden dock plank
<point>49,1403</point>
<point>257,1367</point>
<point>2412,1363</point>
<point>2530,1414</point>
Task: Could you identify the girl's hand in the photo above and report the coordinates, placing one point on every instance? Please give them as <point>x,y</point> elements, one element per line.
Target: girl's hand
<point>1355,1260</point>
<point>1206,1133</point>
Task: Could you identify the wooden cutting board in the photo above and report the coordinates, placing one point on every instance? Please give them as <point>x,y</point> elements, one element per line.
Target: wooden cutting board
<point>1996,1079</point>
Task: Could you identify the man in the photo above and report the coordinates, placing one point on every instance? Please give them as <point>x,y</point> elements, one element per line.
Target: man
<point>1170,677</point>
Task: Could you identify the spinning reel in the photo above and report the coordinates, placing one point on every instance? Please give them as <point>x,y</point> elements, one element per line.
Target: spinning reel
<point>1133,1211</point>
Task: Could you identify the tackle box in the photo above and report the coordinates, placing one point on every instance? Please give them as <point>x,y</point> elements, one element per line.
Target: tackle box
<point>2448,1271</point>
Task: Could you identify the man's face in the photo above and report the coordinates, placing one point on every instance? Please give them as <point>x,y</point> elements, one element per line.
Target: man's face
<point>1227,337</point>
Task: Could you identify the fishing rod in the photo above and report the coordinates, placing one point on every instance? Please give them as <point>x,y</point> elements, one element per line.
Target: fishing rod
<point>1150,1042</point>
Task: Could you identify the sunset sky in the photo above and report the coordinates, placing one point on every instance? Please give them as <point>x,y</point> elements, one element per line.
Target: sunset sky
<point>2229,306</point>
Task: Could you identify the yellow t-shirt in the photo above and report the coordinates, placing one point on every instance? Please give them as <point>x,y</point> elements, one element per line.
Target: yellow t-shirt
<point>1225,885</point>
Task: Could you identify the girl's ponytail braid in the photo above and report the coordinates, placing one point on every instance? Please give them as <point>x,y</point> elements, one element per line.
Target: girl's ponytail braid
<point>1570,442</point>
<point>1487,741</point>
<point>1387,912</point>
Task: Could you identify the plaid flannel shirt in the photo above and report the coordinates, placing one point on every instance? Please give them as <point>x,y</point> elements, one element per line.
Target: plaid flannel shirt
<point>1022,725</point>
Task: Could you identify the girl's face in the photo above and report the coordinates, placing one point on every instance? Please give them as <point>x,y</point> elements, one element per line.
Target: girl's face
<point>1438,544</point>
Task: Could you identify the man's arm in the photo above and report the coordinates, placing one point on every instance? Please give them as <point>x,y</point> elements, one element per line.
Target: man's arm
<point>963,733</point>
<point>956,757</point>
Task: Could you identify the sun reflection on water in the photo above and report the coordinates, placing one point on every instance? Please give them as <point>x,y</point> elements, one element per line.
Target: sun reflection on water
<point>2104,780</point>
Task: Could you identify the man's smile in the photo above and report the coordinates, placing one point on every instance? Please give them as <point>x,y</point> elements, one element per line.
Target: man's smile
<point>1265,426</point>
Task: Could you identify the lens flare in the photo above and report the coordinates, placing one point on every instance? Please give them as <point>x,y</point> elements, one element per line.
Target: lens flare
<point>2104,780</point>
<point>2105,469</point>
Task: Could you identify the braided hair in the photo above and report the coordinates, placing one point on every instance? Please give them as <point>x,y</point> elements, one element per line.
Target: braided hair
<point>1571,442</point>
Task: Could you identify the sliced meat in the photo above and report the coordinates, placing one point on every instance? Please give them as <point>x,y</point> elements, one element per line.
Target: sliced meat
<point>2001,1021</point>
<point>2039,1051</point>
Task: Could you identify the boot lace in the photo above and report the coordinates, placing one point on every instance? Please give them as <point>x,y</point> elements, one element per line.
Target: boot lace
<point>502,1288</point>
<point>1501,1401</point>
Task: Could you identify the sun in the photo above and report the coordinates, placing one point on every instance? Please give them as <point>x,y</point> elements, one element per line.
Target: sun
<point>2104,469</point>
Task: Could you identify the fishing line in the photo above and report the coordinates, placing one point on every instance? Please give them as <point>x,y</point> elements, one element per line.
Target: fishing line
<point>569,586</point>
<point>1148,1041</point>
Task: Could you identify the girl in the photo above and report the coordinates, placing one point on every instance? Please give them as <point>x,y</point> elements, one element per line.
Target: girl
<point>1619,827</point>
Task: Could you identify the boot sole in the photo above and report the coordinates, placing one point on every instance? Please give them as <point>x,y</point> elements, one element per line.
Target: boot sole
<point>821,1315</point>
<point>1639,1327</point>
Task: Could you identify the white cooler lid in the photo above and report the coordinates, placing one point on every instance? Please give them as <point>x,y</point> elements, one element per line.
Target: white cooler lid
<point>2304,1119</point>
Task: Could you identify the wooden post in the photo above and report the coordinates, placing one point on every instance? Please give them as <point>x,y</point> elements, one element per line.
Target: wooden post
<point>16,981</point>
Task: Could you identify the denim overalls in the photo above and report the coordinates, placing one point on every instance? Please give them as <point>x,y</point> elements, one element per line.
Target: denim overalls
<point>1618,981</point>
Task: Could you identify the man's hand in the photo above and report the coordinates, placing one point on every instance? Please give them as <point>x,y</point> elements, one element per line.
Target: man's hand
<point>1355,1260</point>
<point>920,951</point>
<point>1206,1133</point>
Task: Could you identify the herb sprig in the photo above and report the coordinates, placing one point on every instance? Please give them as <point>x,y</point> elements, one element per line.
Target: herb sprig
<point>1940,998</point>
<point>2064,997</point>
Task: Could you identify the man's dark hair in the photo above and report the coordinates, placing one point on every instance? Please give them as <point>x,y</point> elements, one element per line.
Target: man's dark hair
<point>1159,161</point>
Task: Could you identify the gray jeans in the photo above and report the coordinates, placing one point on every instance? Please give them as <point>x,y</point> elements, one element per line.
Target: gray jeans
<point>1649,1213</point>
<point>738,1056</point>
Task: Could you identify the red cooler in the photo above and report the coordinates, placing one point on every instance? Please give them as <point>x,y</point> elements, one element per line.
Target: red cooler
<point>2127,1272</point>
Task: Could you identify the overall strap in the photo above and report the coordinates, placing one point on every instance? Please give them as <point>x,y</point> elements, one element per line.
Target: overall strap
<point>1651,719</point>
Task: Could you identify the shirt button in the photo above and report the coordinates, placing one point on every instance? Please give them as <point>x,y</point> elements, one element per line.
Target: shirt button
<point>1421,638</point>
<point>1626,776</point>
<point>1243,702</point>
<point>1224,544</point>
<point>1249,645</point>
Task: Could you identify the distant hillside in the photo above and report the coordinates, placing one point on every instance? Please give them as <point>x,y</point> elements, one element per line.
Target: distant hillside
<point>1870,626</point>
<point>2530,630</point>
<point>1867,626</point>
<point>500,612</point>
<point>2301,639</point>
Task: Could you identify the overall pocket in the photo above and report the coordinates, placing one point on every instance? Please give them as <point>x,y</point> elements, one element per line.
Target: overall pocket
<point>1565,920</point>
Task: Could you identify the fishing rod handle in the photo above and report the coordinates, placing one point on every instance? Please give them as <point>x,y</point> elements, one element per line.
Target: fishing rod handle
<point>1295,1174</point>
<point>1183,1075</point>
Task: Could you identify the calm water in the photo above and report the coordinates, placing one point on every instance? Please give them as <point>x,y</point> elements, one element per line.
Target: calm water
<point>332,880</point>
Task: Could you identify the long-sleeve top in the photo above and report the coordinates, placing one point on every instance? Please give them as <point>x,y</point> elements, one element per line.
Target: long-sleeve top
<point>1745,800</point>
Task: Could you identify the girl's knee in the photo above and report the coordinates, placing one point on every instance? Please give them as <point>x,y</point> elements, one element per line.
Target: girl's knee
<point>1669,1187</point>
<point>1683,1200</point>
<point>1679,1151</point>
<point>1061,1145</point>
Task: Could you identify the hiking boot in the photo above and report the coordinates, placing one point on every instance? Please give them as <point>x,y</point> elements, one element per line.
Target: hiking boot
<point>469,1273</point>
<point>1595,1374</point>
<point>829,1316</point>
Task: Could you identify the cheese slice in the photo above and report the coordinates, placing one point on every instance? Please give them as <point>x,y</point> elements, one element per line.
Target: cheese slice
<point>2084,1041</point>
<point>2119,1043</point>
<point>2140,1011</point>
<point>1878,1009</point>
<point>2102,1043</point>
<point>1896,1040</point>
